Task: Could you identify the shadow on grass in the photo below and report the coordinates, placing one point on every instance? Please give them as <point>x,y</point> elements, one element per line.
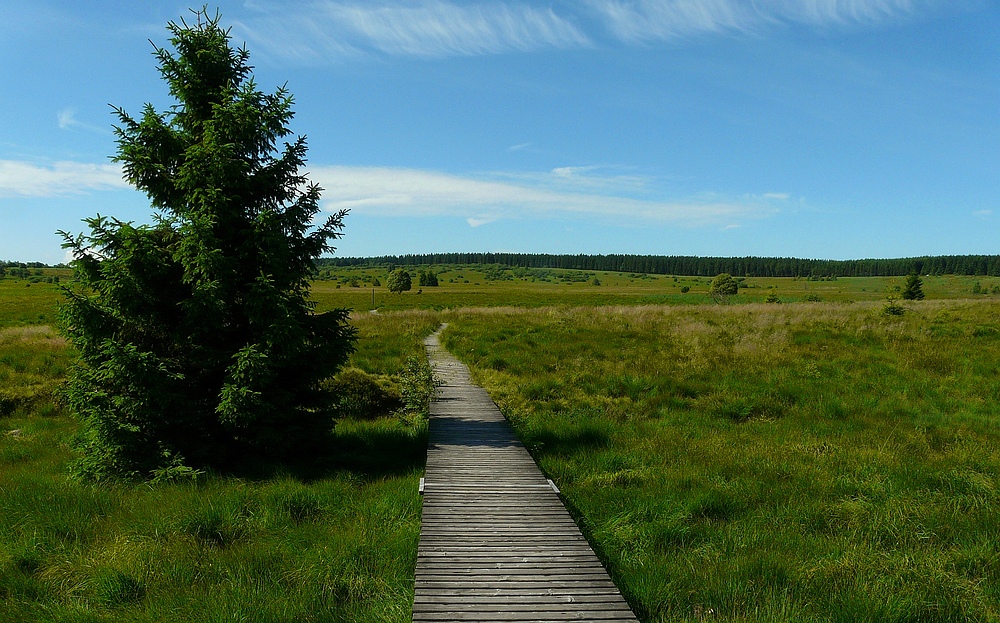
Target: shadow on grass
<point>373,452</point>
<point>566,442</point>
<point>368,450</point>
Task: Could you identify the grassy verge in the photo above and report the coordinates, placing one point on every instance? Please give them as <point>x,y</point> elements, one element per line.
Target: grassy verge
<point>335,544</point>
<point>766,462</point>
<point>483,286</point>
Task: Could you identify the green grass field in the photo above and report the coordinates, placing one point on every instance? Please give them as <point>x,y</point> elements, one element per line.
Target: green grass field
<point>26,303</point>
<point>811,461</point>
<point>336,544</point>
<point>478,287</point>
<point>808,462</point>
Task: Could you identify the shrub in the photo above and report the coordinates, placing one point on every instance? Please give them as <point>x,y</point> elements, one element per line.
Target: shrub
<point>363,396</point>
<point>428,279</point>
<point>724,285</point>
<point>892,308</point>
<point>416,384</point>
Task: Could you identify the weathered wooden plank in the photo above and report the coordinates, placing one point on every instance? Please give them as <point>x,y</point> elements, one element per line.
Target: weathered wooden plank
<point>496,542</point>
<point>562,593</point>
<point>536,607</point>
<point>541,525</point>
<point>546,585</point>
<point>499,531</point>
<point>500,575</point>
<point>525,617</point>
<point>548,569</point>
<point>576,560</point>
<point>481,538</point>
<point>560,552</point>
<point>494,602</point>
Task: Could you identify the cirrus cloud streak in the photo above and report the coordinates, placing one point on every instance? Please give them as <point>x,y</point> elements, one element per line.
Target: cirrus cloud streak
<point>479,200</point>
<point>328,30</point>
<point>648,20</point>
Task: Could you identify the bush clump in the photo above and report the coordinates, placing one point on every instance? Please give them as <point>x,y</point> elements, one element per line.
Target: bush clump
<point>724,286</point>
<point>362,395</point>
<point>892,307</point>
<point>416,385</point>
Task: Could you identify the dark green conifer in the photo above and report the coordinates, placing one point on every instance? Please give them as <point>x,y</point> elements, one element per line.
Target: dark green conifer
<point>914,288</point>
<point>198,341</point>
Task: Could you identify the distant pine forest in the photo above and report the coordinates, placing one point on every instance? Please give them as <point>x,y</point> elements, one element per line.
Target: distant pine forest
<point>973,265</point>
<point>986,265</point>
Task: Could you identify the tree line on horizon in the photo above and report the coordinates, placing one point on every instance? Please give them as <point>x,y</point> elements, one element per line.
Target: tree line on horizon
<point>975,265</point>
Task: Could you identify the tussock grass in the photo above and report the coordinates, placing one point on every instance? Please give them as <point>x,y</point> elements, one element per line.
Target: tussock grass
<point>387,339</point>
<point>33,360</point>
<point>335,542</point>
<point>25,303</point>
<point>804,462</point>
<point>807,462</point>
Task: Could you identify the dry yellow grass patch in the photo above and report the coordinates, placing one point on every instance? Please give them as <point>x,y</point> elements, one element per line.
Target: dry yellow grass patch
<point>34,335</point>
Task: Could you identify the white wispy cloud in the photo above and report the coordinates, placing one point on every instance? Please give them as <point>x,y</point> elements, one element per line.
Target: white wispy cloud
<point>66,118</point>
<point>594,179</point>
<point>564,192</point>
<point>330,30</point>
<point>432,28</point>
<point>481,200</point>
<point>568,172</point>
<point>477,222</point>
<point>647,20</point>
<point>782,196</point>
<point>27,179</point>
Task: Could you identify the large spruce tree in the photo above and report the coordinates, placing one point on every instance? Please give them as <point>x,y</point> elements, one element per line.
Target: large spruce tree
<point>199,345</point>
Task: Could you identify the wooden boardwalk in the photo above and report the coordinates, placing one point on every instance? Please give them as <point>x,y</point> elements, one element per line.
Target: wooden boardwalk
<point>496,542</point>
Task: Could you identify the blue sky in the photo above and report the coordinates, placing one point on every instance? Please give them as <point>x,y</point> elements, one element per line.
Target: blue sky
<point>810,128</point>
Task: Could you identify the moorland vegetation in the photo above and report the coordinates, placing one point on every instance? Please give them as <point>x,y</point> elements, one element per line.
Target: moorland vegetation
<point>334,539</point>
<point>809,462</point>
<point>813,461</point>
